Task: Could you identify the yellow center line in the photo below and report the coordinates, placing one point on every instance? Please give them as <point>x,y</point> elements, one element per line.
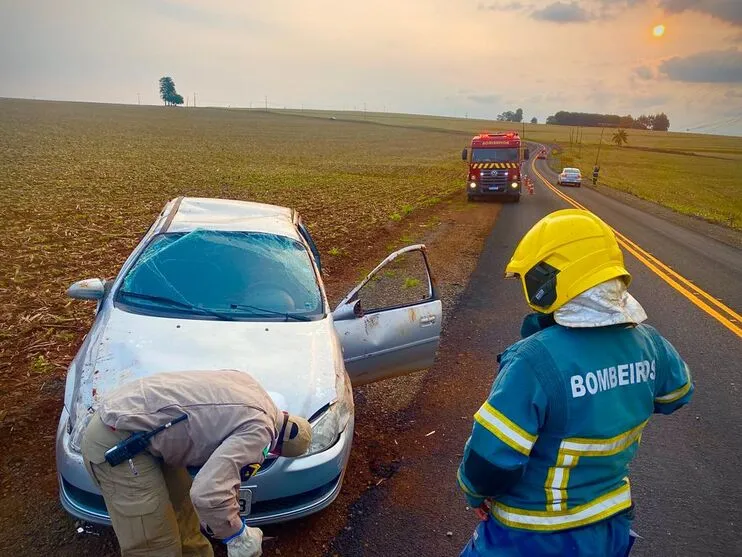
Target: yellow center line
<point>697,291</point>
<point>694,293</point>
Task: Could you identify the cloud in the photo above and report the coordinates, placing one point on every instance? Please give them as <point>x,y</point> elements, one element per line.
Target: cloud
<point>601,97</point>
<point>649,101</point>
<point>562,12</point>
<point>721,66</point>
<point>502,6</point>
<point>484,99</point>
<point>733,94</point>
<point>644,72</point>
<point>726,10</point>
<point>610,9</point>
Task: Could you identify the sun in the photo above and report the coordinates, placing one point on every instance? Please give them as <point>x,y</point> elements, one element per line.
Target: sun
<point>658,30</point>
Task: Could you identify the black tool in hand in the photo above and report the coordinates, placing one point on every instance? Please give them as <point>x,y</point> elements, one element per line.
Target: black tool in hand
<point>136,443</point>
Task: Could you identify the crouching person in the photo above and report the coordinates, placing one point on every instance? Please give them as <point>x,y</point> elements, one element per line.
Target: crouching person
<point>221,421</point>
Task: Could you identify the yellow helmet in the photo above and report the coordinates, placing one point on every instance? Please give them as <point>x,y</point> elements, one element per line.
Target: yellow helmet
<point>564,254</point>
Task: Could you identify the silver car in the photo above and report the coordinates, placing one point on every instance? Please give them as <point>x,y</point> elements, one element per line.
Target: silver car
<point>219,284</point>
<point>570,176</point>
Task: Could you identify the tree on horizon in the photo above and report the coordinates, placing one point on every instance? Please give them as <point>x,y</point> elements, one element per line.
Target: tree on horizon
<point>168,94</point>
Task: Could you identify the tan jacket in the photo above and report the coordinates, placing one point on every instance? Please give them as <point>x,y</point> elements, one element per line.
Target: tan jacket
<point>231,420</point>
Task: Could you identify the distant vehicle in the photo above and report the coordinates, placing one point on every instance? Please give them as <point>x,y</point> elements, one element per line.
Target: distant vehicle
<point>542,154</point>
<point>570,177</point>
<point>222,284</point>
<point>494,166</point>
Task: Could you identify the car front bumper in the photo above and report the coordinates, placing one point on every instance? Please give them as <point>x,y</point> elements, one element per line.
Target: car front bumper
<point>284,490</point>
<point>485,191</point>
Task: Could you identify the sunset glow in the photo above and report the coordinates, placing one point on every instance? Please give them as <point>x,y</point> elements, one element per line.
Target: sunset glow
<point>658,31</point>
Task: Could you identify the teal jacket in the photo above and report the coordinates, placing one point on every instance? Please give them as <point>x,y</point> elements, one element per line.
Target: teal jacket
<point>550,447</point>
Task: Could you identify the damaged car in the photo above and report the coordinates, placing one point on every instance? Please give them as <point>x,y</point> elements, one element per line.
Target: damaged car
<point>222,284</point>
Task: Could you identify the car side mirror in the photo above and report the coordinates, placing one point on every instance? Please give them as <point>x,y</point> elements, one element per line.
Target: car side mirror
<point>526,154</point>
<point>351,310</point>
<point>464,155</point>
<point>88,289</point>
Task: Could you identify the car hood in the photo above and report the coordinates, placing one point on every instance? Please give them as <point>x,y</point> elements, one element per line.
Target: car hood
<point>296,362</point>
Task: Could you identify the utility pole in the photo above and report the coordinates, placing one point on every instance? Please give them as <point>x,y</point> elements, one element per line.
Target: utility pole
<point>579,152</point>
<point>364,110</point>
<point>139,99</point>
<point>266,103</point>
<point>194,100</point>
<point>600,142</point>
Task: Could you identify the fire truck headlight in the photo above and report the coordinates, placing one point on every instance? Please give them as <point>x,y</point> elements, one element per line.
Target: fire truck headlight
<point>473,185</point>
<point>514,185</point>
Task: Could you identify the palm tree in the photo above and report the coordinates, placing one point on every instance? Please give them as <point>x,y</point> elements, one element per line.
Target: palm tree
<point>620,137</point>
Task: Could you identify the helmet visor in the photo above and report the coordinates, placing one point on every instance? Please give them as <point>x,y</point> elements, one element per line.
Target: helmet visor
<point>540,284</point>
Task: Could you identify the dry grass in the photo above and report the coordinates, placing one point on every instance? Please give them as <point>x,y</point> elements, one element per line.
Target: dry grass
<point>694,174</point>
<point>80,183</point>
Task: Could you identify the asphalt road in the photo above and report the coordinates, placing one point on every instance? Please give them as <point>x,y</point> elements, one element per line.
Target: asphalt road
<point>686,480</point>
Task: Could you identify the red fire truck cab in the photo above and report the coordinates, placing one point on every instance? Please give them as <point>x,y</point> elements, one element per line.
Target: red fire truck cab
<point>494,166</point>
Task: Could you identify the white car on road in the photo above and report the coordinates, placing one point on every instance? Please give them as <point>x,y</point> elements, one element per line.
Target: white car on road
<point>220,284</point>
<point>570,176</point>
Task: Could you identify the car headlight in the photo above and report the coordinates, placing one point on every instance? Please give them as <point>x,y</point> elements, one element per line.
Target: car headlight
<point>473,185</point>
<point>514,185</point>
<point>332,422</point>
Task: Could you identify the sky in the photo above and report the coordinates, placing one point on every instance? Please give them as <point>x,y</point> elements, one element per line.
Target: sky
<point>472,58</point>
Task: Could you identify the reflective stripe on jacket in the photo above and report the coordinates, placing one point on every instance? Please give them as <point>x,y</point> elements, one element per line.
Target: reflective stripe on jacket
<point>571,404</point>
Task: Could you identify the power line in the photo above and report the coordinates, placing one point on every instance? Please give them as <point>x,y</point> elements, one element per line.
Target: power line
<point>716,123</point>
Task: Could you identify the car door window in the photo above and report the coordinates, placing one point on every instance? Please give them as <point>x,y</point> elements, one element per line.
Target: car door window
<point>402,282</point>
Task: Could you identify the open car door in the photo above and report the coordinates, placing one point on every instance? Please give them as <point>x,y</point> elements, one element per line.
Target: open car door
<point>390,324</point>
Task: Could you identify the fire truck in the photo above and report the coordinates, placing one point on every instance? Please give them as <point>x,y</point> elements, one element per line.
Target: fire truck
<point>494,165</point>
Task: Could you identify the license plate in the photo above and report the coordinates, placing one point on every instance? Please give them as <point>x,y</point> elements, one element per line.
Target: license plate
<point>493,188</point>
<point>245,501</point>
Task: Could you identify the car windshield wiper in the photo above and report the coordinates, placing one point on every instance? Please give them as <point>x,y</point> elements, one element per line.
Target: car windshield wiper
<point>176,303</point>
<point>295,316</point>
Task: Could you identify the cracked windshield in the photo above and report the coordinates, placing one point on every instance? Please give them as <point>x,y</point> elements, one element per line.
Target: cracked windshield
<point>230,275</point>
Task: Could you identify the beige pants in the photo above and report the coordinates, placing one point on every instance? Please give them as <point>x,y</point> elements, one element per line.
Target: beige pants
<point>148,501</point>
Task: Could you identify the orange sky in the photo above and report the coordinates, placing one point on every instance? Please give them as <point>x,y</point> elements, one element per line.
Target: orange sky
<point>429,56</point>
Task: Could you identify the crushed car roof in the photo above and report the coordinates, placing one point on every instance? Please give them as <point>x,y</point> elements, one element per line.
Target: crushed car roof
<point>185,214</point>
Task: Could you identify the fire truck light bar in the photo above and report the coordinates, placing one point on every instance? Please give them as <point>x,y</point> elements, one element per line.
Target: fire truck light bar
<point>509,135</point>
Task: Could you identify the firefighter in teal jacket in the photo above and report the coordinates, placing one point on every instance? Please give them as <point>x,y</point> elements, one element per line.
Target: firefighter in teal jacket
<point>546,465</point>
